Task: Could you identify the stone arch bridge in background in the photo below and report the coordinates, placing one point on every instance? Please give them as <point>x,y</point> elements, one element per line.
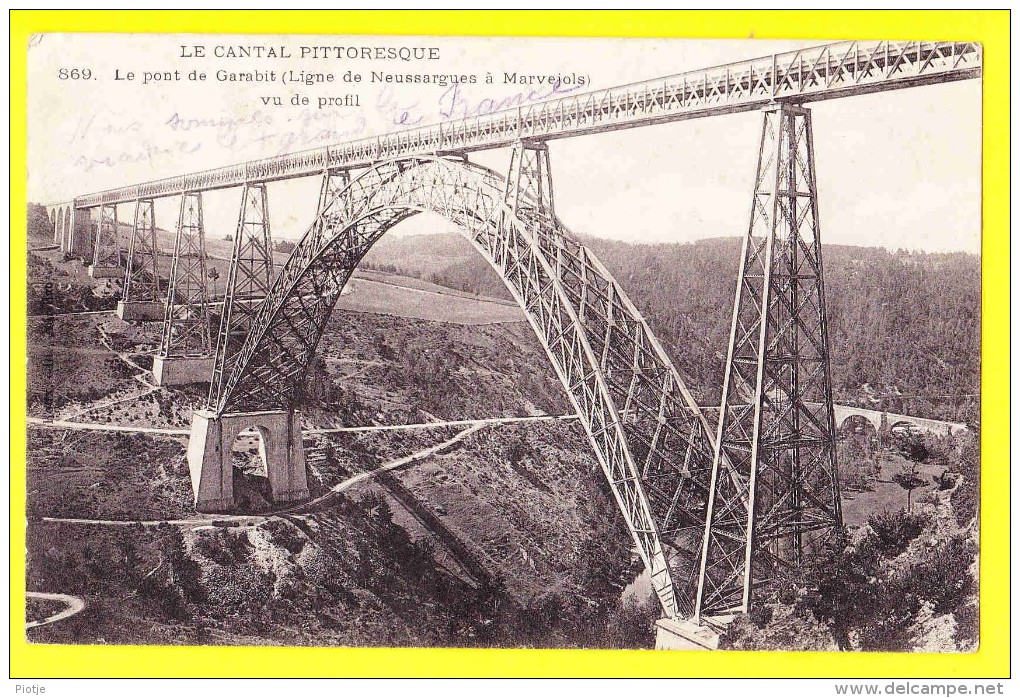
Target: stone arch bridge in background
<point>875,418</point>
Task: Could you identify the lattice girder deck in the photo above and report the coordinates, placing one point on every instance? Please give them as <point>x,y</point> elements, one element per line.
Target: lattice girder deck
<point>830,71</point>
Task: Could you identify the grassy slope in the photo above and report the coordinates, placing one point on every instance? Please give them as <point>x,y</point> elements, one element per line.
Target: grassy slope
<point>440,556</point>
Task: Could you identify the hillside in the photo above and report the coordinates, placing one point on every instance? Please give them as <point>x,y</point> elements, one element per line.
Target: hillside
<point>904,326</point>
<point>371,291</point>
<point>501,534</point>
<point>431,555</point>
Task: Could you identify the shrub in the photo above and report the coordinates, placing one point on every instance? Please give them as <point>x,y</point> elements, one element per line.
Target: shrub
<point>943,575</point>
<point>792,628</point>
<point>967,620</point>
<point>630,625</point>
<point>966,497</point>
<point>913,447</point>
<point>286,536</point>
<point>894,530</point>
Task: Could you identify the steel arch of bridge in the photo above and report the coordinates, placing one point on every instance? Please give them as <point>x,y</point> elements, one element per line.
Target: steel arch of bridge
<point>649,436</point>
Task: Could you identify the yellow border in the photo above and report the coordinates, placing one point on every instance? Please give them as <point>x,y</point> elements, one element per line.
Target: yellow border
<point>992,660</point>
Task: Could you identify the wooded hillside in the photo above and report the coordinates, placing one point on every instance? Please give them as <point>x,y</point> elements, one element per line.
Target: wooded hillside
<point>904,326</point>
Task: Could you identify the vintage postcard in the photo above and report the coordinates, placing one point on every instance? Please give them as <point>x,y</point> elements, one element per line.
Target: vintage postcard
<point>503,342</point>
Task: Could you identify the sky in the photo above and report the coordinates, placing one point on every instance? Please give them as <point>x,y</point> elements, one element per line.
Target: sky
<point>897,170</point>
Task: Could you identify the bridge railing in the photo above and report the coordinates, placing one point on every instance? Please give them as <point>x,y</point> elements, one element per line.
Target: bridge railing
<point>812,74</point>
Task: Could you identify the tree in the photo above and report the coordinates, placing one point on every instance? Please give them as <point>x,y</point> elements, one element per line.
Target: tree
<point>39,224</point>
<point>630,625</point>
<point>864,609</point>
<point>182,574</point>
<point>214,274</point>
<point>912,446</point>
<point>908,480</point>
<point>859,468</point>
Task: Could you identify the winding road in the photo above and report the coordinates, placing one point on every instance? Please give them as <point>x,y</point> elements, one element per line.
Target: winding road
<point>91,426</point>
<point>74,605</point>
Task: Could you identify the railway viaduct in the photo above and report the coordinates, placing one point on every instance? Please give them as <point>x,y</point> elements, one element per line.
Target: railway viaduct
<point>717,510</point>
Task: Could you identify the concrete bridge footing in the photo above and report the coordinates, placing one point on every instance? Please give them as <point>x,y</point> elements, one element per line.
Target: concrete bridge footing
<point>140,310</point>
<point>210,457</point>
<point>105,272</point>
<point>182,370</point>
<point>673,634</point>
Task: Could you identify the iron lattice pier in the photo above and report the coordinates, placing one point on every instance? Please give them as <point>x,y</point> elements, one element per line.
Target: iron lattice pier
<point>773,506</point>
<point>248,281</point>
<point>141,273</point>
<point>186,323</point>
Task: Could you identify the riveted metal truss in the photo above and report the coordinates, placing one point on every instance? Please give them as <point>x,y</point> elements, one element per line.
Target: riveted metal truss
<point>810,74</point>
<point>141,275</point>
<point>248,281</point>
<point>780,501</point>
<point>529,182</point>
<point>714,514</point>
<point>106,252</point>
<point>333,182</point>
<point>186,330</point>
<point>647,432</point>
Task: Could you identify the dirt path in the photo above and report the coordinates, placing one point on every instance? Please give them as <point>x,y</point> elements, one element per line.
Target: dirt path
<point>201,520</point>
<point>141,376</point>
<point>74,605</point>
<point>43,423</point>
<point>385,468</point>
<point>90,426</point>
<point>76,312</point>
<point>448,423</point>
<point>303,507</point>
<point>125,356</point>
<point>305,511</point>
<point>149,389</point>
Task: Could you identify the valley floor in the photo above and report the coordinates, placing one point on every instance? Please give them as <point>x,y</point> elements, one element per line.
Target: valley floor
<point>455,500</point>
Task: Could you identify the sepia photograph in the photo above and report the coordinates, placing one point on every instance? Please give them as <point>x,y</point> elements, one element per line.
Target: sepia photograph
<point>503,342</point>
